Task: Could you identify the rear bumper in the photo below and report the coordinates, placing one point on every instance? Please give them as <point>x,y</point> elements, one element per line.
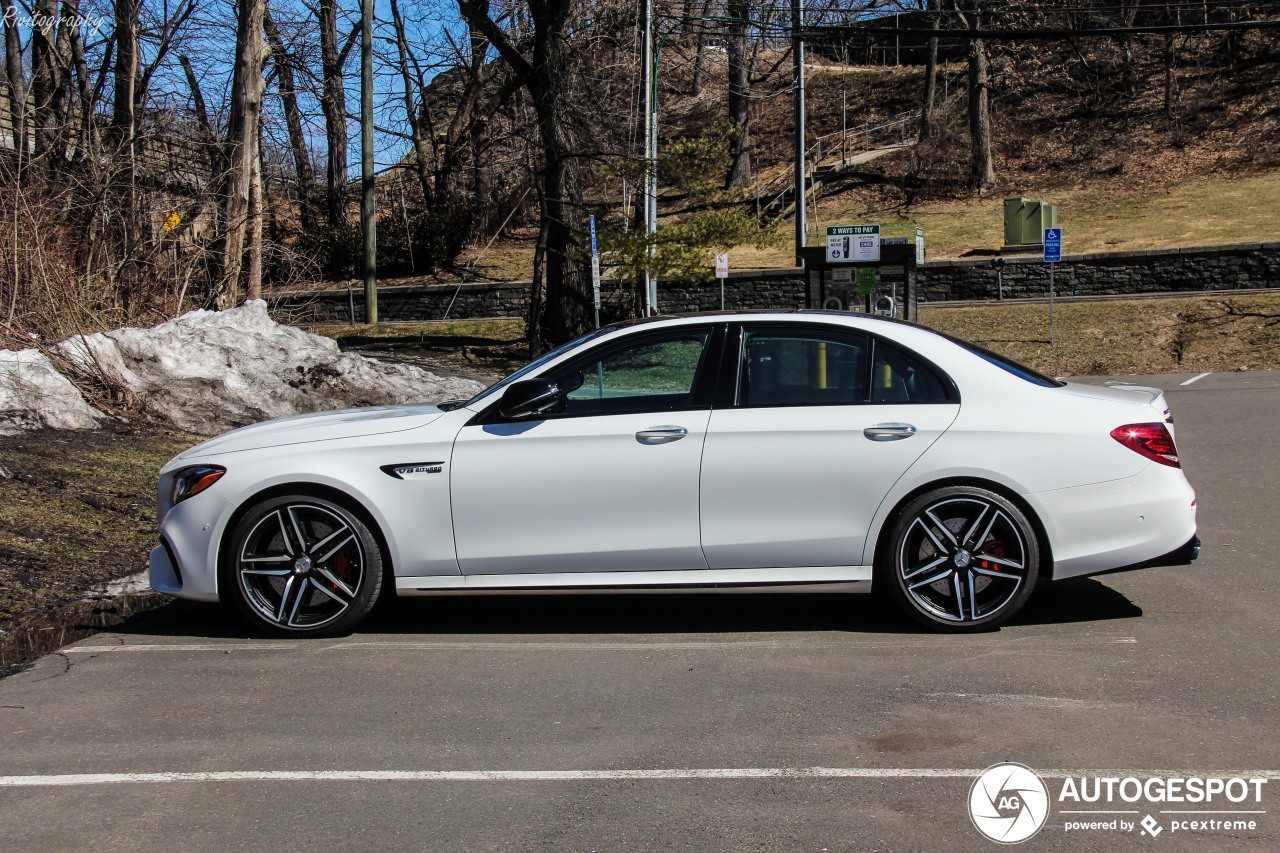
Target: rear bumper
<point>1183,555</point>
<point>1139,521</point>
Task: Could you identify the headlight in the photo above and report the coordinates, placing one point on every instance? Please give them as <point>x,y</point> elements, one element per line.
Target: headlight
<point>194,480</point>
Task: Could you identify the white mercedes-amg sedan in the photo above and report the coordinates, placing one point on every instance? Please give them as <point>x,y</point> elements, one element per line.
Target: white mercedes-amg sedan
<point>768,450</point>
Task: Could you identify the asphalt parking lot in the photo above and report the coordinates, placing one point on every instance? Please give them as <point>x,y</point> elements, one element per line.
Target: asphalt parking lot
<point>670,722</point>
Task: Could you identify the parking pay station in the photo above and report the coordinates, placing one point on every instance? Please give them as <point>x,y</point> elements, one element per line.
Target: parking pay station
<point>858,270</point>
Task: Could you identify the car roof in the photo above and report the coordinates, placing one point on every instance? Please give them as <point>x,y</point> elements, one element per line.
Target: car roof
<point>757,313</point>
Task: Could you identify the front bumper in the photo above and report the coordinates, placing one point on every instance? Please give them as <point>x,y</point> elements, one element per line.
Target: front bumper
<point>185,563</point>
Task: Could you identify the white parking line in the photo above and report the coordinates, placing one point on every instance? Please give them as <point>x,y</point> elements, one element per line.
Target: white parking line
<point>1196,378</point>
<point>607,646</point>
<point>713,773</point>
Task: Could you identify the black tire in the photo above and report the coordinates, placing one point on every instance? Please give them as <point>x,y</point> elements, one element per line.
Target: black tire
<point>960,559</point>
<point>302,566</point>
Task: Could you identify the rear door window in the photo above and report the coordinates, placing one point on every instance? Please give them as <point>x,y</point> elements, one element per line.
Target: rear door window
<point>800,366</point>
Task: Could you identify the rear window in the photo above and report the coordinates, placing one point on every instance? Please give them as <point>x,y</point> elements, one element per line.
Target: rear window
<point>1008,365</point>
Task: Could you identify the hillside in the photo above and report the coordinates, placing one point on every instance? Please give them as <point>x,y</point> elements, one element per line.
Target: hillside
<point>1124,173</point>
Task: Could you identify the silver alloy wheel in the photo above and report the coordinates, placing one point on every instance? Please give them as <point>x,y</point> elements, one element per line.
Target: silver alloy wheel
<point>300,567</point>
<point>962,559</point>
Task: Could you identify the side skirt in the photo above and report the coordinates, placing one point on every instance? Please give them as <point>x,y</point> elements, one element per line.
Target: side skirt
<point>804,579</point>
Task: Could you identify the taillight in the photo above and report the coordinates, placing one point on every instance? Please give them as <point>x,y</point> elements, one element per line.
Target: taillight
<point>1151,440</point>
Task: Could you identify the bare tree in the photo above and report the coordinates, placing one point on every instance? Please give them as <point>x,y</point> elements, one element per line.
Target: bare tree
<point>928,100</point>
<point>284,63</point>
<point>242,146</point>
<point>16,78</point>
<point>740,56</point>
<point>333,103</point>
<point>46,76</point>
<point>564,310</point>
<point>982,173</point>
<point>415,110</point>
<point>699,28</point>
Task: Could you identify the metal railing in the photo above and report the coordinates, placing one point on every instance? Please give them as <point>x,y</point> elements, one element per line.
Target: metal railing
<point>851,141</point>
<point>865,132</point>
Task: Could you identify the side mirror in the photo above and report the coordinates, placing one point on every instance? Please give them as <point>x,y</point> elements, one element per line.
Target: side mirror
<point>531,397</point>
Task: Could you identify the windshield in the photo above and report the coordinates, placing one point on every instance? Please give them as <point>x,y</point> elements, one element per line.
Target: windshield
<point>534,365</point>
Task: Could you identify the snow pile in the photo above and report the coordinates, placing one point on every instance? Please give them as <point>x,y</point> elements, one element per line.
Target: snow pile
<point>211,371</point>
<point>34,394</point>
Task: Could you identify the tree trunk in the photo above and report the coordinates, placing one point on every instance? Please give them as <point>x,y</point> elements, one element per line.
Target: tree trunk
<point>1129,13</point>
<point>16,77</point>
<point>333,102</point>
<point>1170,72</point>
<point>64,52</point>
<point>423,153</point>
<point>242,146</point>
<point>126,70</point>
<point>739,94</point>
<point>216,155</point>
<point>700,50</point>
<point>293,120</point>
<point>125,142</point>
<point>253,278</point>
<point>982,172</point>
<point>467,124</point>
<point>87,139</point>
<point>45,77</point>
<point>568,308</point>
<point>930,95</point>
<point>486,201</point>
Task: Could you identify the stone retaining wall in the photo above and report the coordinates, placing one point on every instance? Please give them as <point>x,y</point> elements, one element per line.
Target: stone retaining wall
<point>780,288</point>
<point>1230,267</point>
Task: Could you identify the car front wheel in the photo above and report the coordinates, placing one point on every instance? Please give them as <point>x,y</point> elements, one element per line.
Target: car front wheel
<point>961,558</point>
<point>303,566</point>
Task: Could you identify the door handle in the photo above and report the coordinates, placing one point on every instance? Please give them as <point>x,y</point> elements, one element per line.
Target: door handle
<point>661,434</point>
<point>889,432</point>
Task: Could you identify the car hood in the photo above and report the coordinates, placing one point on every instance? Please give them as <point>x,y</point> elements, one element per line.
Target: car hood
<point>320,426</point>
<point>1140,395</point>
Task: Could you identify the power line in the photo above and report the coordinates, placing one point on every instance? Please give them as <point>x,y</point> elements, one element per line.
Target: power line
<point>1032,34</point>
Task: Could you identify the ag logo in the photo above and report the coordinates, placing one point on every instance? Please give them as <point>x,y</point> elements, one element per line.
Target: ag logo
<point>1008,803</point>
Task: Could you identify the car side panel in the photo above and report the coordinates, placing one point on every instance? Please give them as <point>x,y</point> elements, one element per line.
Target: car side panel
<point>583,494</point>
<point>799,486</point>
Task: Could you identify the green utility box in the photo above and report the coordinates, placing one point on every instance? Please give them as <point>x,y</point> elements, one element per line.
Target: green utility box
<point>1025,220</point>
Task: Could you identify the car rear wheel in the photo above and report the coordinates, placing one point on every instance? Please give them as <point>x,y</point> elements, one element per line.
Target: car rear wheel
<point>961,558</point>
<point>303,566</point>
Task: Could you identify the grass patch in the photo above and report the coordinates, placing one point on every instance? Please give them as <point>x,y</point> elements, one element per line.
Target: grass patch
<point>478,349</point>
<point>455,332</point>
<point>1190,335</point>
<point>1097,218</point>
<point>77,511</point>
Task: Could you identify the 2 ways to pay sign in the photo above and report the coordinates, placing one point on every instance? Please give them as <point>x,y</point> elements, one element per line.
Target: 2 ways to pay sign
<point>853,244</point>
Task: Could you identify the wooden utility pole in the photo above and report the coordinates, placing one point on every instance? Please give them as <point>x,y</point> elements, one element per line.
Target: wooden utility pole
<point>797,56</point>
<point>650,194</point>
